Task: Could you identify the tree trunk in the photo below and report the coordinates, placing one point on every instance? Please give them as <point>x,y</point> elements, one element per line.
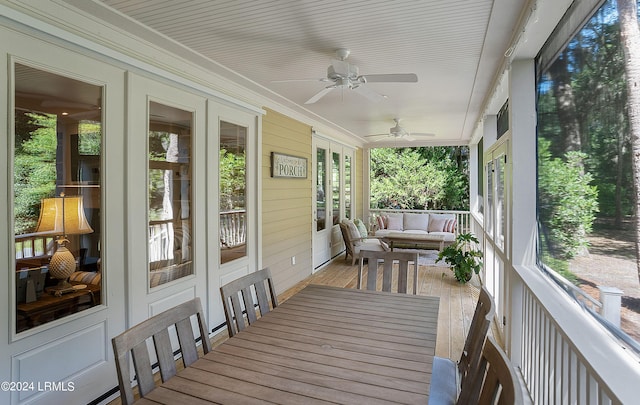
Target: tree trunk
<point>630,38</point>
<point>566,104</point>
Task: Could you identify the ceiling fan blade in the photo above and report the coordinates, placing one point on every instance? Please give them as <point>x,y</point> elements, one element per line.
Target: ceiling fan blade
<point>324,79</point>
<point>392,77</point>
<point>368,93</point>
<point>320,94</point>
<point>377,137</point>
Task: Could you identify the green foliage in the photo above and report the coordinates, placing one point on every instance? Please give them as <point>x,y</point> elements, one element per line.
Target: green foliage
<point>232,180</point>
<point>463,256</point>
<point>419,178</point>
<point>34,167</point>
<point>567,202</point>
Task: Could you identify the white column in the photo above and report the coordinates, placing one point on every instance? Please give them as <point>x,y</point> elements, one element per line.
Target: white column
<point>522,115</point>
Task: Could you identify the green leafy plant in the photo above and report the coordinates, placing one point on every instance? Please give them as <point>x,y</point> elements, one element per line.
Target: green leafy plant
<point>463,256</point>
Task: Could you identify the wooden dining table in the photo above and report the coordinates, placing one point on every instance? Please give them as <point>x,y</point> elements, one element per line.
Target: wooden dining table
<point>323,345</point>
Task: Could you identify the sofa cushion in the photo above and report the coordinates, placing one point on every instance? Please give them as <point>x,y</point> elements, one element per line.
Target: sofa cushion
<point>417,222</point>
<point>395,222</point>
<point>381,221</point>
<point>370,244</point>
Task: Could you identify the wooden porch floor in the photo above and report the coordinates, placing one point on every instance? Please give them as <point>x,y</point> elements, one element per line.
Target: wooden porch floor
<point>457,302</point>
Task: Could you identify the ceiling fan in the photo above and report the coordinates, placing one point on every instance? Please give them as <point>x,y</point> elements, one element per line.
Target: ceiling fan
<point>398,132</point>
<point>343,75</point>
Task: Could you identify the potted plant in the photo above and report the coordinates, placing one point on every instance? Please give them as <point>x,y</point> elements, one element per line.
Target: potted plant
<point>463,256</point>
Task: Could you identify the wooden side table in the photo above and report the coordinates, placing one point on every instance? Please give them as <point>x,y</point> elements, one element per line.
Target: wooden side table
<point>50,307</point>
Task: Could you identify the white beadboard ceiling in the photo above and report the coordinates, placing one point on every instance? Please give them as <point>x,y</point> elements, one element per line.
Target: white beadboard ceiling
<point>455,48</point>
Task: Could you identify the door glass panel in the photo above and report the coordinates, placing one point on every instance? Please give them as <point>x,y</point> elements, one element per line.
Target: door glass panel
<point>347,186</point>
<point>57,196</point>
<point>501,222</point>
<point>169,205</point>
<point>335,184</point>
<point>233,185</point>
<point>321,181</point>
<point>490,196</point>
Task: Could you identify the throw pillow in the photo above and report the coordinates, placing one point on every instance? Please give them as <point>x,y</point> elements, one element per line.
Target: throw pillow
<point>353,231</point>
<point>437,224</point>
<point>450,226</point>
<point>381,222</point>
<point>361,228</point>
<point>394,222</point>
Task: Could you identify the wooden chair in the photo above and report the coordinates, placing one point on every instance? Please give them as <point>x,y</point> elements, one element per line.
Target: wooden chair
<point>448,376</point>
<point>237,295</point>
<point>386,259</point>
<point>354,244</point>
<point>494,380</point>
<point>135,340</point>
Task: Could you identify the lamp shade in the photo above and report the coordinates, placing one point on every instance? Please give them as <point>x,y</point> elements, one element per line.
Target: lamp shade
<point>63,216</point>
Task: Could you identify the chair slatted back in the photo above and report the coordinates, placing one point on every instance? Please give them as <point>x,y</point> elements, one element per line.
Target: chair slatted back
<point>237,295</point>
<point>387,258</point>
<point>135,341</point>
<point>494,381</point>
<point>478,330</point>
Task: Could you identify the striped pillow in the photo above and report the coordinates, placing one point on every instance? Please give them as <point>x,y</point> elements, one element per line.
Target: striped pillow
<point>381,222</point>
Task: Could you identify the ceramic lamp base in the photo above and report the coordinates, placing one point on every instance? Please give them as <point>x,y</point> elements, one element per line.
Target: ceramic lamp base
<point>61,266</point>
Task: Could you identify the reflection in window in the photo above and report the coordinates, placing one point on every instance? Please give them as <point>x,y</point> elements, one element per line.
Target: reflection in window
<point>335,184</point>
<point>233,185</point>
<point>321,181</point>
<point>170,222</point>
<point>586,195</point>
<point>57,160</point>
<point>347,186</point>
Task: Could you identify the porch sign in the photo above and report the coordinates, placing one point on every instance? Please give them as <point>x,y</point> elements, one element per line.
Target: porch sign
<point>287,166</point>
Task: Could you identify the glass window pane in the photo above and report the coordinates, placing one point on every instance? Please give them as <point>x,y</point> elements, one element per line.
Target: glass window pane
<point>170,223</point>
<point>321,181</point>
<point>233,185</point>
<point>347,186</point>
<point>335,183</point>
<point>586,196</point>
<point>57,161</point>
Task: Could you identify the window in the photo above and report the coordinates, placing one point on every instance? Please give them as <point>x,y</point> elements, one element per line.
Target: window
<point>233,185</point>
<point>586,198</point>
<point>347,186</point>
<point>169,205</point>
<point>336,186</point>
<point>57,196</point>
<point>321,186</point>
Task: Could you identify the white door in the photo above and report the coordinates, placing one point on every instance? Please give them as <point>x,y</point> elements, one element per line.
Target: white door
<point>166,197</point>
<point>497,224</point>
<point>322,210</point>
<point>79,137</point>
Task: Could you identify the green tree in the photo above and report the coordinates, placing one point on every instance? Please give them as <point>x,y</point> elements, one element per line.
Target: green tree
<point>34,167</point>
<point>567,201</point>
<point>419,178</point>
<point>232,180</point>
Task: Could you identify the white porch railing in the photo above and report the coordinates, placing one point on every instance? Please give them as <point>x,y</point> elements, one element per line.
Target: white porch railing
<point>463,218</point>
<point>565,356</point>
<point>233,228</point>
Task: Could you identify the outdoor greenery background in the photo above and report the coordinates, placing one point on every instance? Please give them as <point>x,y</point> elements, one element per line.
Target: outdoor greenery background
<point>584,151</point>
<point>431,178</point>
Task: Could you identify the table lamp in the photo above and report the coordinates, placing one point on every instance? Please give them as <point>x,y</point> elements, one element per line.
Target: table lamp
<point>62,216</point>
